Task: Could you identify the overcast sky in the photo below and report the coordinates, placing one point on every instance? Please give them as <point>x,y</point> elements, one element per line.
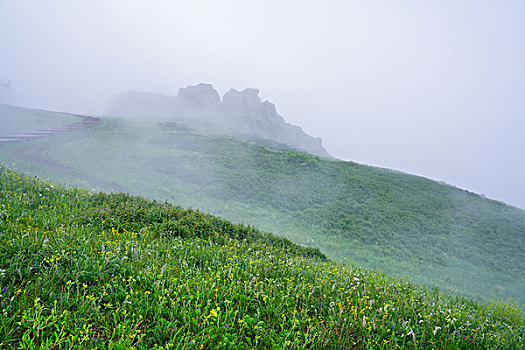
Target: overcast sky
<point>434,88</point>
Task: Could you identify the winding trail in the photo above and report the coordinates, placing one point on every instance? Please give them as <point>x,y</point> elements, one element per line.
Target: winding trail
<point>86,122</point>
<point>39,152</point>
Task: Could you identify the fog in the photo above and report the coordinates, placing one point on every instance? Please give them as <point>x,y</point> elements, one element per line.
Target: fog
<point>434,89</point>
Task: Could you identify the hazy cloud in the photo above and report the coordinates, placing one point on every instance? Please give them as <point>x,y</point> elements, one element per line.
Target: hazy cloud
<point>429,88</point>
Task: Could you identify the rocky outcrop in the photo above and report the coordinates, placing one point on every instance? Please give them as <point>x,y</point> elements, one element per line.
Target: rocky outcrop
<point>247,103</point>
<point>260,118</point>
<point>243,111</point>
<point>200,100</point>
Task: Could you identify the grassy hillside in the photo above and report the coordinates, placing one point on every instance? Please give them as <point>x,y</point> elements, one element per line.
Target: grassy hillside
<point>81,269</point>
<point>405,225</point>
<point>15,121</point>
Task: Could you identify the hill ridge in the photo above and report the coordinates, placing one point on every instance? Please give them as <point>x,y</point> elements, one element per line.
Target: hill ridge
<point>238,111</point>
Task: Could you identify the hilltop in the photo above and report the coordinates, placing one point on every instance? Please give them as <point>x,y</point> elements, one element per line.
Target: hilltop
<point>404,225</point>
<point>84,269</point>
<point>239,112</point>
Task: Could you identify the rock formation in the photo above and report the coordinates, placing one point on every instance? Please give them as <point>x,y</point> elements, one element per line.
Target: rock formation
<point>200,100</point>
<point>243,111</point>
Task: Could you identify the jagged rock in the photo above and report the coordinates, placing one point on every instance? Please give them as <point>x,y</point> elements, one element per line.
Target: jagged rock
<point>240,112</point>
<point>241,103</point>
<point>247,103</point>
<point>261,119</point>
<point>201,99</point>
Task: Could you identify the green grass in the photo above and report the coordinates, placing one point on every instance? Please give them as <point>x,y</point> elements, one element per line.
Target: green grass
<point>406,226</point>
<point>89,270</point>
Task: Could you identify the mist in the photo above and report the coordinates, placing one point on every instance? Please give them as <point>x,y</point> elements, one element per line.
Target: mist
<point>430,89</point>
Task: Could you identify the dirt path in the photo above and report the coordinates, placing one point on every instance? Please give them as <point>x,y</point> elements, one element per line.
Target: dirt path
<point>85,122</point>
<point>38,153</point>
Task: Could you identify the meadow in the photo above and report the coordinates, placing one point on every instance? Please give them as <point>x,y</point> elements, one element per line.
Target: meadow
<point>406,226</point>
<point>89,270</point>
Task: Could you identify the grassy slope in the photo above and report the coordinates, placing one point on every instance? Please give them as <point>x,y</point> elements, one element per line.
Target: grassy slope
<point>16,121</point>
<point>89,270</point>
<point>405,225</point>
